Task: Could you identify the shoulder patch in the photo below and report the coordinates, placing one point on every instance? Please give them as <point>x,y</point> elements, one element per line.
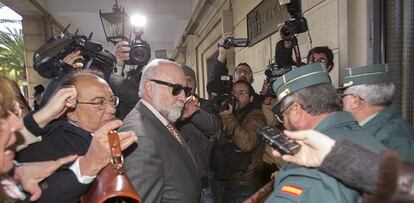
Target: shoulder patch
<point>292,190</point>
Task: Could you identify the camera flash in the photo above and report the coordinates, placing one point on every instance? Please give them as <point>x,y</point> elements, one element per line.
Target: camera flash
<point>138,20</point>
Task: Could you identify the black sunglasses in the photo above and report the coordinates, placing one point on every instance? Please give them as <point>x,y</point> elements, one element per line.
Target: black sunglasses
<point>176,88</point>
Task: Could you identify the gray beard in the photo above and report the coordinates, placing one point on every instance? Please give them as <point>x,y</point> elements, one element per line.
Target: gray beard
<point>172,114</point>
<point>175,113</point>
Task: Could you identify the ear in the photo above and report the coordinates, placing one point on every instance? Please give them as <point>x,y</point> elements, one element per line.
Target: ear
<point>297,113</point>
<point>148,88</point>
<point>72,116</point>
<point>355,102</point>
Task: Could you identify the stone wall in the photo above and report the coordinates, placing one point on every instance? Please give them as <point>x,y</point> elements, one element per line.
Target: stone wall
<point>37,26</point>
<point>230,15</point>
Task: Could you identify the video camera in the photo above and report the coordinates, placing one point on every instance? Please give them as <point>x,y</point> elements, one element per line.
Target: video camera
<point>297,23</point>
<point>222,101</point>
<point>49,57</point>
<point>235,42</point>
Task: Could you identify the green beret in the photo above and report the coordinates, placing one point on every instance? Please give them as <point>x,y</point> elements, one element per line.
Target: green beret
<point>298,79</point>
<point>370,74</point>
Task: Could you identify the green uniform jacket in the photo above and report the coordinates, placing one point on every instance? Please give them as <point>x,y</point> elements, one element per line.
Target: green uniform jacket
<point>300,184</point>
<point>393,131</point>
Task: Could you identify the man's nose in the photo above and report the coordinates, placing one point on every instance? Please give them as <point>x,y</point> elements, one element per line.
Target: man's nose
<point>181,96</point>
<point>110,108</point>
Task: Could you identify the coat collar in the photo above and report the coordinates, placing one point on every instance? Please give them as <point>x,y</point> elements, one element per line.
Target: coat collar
<point>336,120</point>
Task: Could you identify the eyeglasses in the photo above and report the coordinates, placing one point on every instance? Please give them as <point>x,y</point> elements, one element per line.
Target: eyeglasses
<point>102,102</point>
<point>342,95</point>
<point>176,88</point>
<point>321,60</point>
<point>245,71</point>
<point>244,93</point>
<point>279,116</point>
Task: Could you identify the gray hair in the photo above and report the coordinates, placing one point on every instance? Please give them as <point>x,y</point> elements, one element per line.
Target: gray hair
<point>150,71</point>
<point>316,99</point>
<point>374,94</point>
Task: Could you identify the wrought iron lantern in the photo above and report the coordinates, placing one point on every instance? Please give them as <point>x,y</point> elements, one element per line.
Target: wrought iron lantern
<point>116,24</point>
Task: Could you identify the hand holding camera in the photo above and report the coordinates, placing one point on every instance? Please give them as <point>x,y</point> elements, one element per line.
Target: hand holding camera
<point>75,59</point>
<point>122,51</point>
<point>137,52</point>
<point>223,51</point>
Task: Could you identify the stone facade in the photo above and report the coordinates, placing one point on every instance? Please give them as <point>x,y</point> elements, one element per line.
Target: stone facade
<point>37,26</point>
<point>324,20</point>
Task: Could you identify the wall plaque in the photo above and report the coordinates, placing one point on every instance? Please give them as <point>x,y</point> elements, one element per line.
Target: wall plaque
<point>263,19</point>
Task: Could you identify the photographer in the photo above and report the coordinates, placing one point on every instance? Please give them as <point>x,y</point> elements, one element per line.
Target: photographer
<point>131,71</point>
<point>59,65</point>
<point>321,55</point>
<point>132,56</point>
<point>238,159</point>
<point>241,72</point>
<point>199,126</point>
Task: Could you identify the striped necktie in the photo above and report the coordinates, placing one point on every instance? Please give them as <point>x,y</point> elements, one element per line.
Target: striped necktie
<point>175,133</point>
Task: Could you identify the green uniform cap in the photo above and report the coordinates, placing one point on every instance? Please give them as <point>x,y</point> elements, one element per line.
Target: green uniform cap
<point>298,79</point>
<point>370,74</point>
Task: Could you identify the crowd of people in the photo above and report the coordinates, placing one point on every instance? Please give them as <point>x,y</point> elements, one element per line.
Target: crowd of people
<point>179,147</point>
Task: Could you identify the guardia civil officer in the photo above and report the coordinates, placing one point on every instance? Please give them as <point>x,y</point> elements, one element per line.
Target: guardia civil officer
<point>368,94</point>
<point>306,99</point>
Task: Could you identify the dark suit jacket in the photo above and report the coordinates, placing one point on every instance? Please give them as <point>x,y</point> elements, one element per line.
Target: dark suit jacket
<point>62,139</point>
<point>160,169</point>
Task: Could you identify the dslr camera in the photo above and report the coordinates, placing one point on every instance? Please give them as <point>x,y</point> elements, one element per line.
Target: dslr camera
<point>297,23</point>
<point>140,52</point>
<point>274,72</point>
<point>221,102</point>
<point>234,42</point>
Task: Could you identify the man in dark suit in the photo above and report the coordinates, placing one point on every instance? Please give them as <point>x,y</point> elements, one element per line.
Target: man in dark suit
<point>161,166</point>
<point>84,112</point>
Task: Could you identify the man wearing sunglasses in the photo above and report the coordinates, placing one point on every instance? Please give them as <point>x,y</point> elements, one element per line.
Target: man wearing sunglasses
<point>367,92</point>
<point>306,99</point>
<point>161,167</point>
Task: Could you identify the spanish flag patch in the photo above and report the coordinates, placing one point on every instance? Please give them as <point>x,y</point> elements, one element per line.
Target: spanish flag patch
<point>292,190</point>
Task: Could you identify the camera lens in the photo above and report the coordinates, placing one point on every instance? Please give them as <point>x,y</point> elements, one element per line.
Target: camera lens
<point>285,32</point>
<point>228,42</point>
<point>139,54</point>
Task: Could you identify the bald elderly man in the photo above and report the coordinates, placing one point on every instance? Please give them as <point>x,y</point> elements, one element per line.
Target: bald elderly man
<point>75,131</point>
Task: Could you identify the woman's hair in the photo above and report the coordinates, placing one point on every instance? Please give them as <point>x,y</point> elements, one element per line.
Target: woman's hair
<point>7,96</point>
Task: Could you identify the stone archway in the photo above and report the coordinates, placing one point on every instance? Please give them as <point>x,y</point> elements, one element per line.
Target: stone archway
<point>37,26</point>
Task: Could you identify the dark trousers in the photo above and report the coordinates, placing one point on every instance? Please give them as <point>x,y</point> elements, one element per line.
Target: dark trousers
<point>225,192</point>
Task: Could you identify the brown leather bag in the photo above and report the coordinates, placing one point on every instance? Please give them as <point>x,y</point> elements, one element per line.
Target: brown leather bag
<point>112,184</point>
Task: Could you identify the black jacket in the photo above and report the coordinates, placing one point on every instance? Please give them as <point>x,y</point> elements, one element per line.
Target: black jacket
<point>62,139</point>
<point>199,131</point>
